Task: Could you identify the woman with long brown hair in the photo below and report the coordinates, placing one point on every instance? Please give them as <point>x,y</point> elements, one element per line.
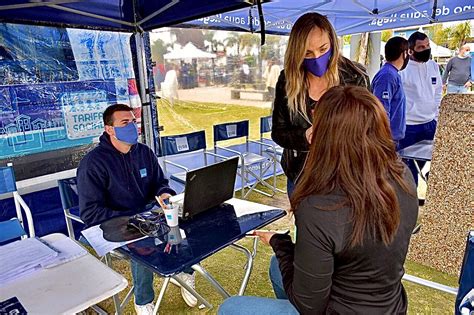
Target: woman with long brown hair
<point>313,64</point>
<point>355,207</point>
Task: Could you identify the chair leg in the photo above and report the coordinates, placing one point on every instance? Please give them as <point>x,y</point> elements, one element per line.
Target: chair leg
<point>198,268</point>
<point>249,267</point>
<point>70,228</point>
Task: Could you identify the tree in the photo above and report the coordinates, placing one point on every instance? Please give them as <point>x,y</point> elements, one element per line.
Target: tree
<point>268,50</point>
<point>439,34</point>
<point>459,35</point>
<point>346,39</point>
<point>233,40</point>
<point>158,49</point>
<point>386,35</point>
<point>184,36</point>
<point>248,40</point>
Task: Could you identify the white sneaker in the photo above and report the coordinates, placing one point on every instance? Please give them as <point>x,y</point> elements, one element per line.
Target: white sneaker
<point>146,309</point>
<point>189,280</point>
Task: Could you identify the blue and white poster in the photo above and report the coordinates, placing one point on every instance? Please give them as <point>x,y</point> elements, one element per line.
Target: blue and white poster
<point>56,83</point>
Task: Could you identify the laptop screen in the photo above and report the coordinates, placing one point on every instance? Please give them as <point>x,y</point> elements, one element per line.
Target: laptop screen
<point>209,186</point>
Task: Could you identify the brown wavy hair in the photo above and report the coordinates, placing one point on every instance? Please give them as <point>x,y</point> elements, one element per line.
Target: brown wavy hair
<point>352,151</point>
<point>297,84</point>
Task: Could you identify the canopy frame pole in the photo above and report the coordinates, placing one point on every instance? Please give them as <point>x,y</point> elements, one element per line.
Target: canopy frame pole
<point>34,4</point>
<point>92,15</point>
<point>145,98</point>
<point>161,10</point>
<point>379,15</point>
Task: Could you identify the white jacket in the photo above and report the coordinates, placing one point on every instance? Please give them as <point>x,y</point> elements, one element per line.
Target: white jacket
<point>272,76</point>
<point>423,91</point>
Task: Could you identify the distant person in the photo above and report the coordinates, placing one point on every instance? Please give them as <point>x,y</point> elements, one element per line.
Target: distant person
<point>170,85</point>
<point>457,76</point>
<point>355,208</point>
<point>271,75</point>
<point>423,91</point>
<point>313,64</point>
<point>245,73</point>
<point>388,88</point>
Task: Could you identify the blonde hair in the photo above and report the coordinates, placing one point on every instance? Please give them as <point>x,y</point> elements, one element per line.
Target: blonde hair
<point>297,83</point>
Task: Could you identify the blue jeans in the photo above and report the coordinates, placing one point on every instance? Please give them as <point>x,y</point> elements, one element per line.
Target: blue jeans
<point>414,134</point>
<point>456,89</point>
<point>249,305</point>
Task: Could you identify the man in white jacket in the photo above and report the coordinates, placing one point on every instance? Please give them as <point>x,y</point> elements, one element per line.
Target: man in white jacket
<point>423,88</point>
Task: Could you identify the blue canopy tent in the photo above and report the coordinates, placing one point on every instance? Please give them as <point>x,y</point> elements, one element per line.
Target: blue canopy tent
<point>347,16</point>
<point>131,16</point>
<point>135,16</point>
<point>112,15</point>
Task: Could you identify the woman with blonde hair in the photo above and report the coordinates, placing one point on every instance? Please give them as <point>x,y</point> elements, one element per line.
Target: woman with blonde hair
<point>355,207</point>
<point>313,64</point>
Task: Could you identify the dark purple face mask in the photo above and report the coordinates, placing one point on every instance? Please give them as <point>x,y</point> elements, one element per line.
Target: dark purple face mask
<point>318,66</point>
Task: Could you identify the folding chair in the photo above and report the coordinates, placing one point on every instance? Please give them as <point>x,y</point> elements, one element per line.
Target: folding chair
<point>70,202</point>
<point>236,130</point>
<point>185,143</point>
<point>8,186</point>
<point>275,152</point>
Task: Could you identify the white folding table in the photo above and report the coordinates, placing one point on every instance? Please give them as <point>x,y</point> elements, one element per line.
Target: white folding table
<point>67,288</point>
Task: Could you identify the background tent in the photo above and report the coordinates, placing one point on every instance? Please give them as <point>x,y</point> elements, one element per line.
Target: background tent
<point>436,50</point>
<point>347,16</point>
<point>189,51</point>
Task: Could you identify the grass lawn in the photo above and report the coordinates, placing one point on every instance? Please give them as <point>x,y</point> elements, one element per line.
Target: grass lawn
<point>227,265</point>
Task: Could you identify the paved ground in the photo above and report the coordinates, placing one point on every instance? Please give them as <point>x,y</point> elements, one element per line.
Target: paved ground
<point>221,95</point>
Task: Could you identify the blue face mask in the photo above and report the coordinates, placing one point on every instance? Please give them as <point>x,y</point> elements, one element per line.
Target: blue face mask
<point>318,66</point>
<point>128,133</point>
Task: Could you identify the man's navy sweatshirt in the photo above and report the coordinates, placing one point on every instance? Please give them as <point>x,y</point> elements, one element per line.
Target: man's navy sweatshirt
<point>112,184</point>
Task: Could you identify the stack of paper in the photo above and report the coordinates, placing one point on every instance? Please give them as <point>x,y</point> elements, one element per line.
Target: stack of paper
<point>23,257</point>
<point>68,250</point>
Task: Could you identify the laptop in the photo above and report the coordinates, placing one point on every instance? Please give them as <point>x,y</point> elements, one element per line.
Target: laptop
<point>207,187</point>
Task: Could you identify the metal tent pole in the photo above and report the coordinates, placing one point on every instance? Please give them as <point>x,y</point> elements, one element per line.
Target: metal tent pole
<point>148,132</point>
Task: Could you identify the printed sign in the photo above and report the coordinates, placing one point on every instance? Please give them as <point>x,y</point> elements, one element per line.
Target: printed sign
<point>182,144</point>
<point>231,131</point>
<point>83,113</point>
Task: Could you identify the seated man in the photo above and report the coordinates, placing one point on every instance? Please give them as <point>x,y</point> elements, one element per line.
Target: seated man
<point>120,177</point>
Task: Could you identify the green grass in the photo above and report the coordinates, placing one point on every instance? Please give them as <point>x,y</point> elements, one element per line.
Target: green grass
<point>187,116</point>
<point>227,265</point>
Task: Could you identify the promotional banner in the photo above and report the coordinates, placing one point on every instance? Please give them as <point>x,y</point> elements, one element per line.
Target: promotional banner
<point>347,17</point>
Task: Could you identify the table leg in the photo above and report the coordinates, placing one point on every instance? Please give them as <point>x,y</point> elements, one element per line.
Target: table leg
<point>249,266</point>
<point>211,280</point>
<point>192,291</point>
<point>161,295</point>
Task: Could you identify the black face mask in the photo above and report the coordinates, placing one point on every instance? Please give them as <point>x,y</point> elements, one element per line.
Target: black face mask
<point>423,55</point>
<point>405,62</point>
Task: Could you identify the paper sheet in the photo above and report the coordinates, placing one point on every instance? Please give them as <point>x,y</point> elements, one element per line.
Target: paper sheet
<point>95,237</point>
<point>24,257</point>
<point>68,251</point>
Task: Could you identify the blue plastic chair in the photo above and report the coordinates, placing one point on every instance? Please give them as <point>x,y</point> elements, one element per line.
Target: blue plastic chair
<point>14,228</point>
<point>265,129</point>
<point>70,202</point>
<point>247,159</point>
<point>185,143</point>
<point>275,152</point>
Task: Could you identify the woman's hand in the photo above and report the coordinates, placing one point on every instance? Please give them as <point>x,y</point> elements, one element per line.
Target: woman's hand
<point>264,236</point>
<point>309,134</point>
